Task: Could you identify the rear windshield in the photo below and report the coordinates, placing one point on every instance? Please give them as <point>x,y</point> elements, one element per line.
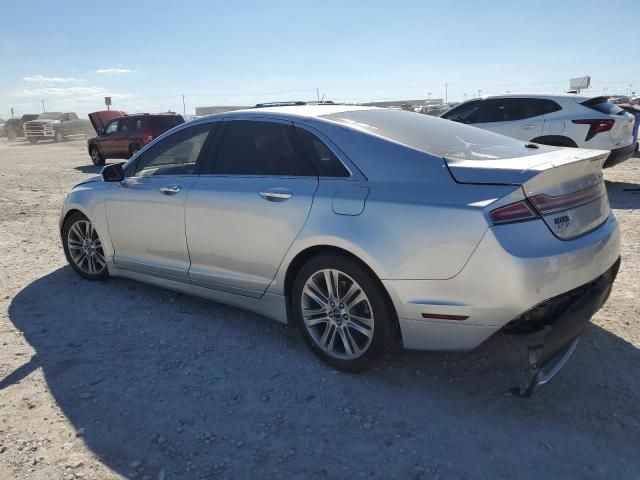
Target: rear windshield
<point>50,116</point>
<point>165,122</point>
<point>433,135</point>
<point>603,105</point>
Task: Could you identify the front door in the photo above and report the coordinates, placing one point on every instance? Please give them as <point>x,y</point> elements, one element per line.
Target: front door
<point>146,211</point>
<point>108,138</point>
<point>519,118</point>
<point>247,208</point>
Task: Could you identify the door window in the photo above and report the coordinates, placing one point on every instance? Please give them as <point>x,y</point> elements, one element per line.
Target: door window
<point>511,109</point>
<point>174,155</point>
<point>259,148</point>
<point>467,113</point>
<point>112,127</point>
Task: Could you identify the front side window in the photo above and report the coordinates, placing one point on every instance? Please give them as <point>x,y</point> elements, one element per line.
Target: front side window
<point>259,148</point>
<point>174,155</point>
<point>324,161</point>
<point>467,113</point>
<point>112,127</point>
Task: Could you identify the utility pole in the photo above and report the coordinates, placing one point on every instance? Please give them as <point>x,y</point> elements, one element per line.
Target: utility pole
<point>184,107</point>
<point>479,92</point>
<point>318,95</point>
<point>429,101</point>
<point>43,110</point>
<point>446,91</point>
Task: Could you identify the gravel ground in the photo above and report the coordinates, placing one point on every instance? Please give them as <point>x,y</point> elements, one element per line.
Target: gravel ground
<point>122,380</point>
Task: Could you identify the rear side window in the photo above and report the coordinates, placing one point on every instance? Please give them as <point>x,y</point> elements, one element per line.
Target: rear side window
<point>511,109</point>
<point>259,148</point>
<point>324,161</point>
<point>603,105</point>
<point>162,123</point>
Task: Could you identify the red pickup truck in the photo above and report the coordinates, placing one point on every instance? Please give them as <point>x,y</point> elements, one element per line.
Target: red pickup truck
<point>120,135</point>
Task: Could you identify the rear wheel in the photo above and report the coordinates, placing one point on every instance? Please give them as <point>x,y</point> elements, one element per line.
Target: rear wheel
<point>83,248</point>
<point>342,312</point>
<point>96,156</point>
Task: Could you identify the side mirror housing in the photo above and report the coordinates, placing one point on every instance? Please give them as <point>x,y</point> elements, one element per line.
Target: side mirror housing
<point>112,173</point>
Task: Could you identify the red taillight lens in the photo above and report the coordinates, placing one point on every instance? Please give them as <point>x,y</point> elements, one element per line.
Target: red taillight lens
<point>549,204</point>
<point>599,125</point>
<point>514,212</point>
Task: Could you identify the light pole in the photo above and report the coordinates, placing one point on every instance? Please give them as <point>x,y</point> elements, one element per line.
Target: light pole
<point>479,92</point>
<point>43,110</point>
<point>429,101</point>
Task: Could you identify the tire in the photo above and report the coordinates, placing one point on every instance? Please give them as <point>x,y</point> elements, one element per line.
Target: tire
<point>83,248</point>
<point>58,136</point>
<point>347,338</point>
<point>96,156</point>
<point>32,140</point>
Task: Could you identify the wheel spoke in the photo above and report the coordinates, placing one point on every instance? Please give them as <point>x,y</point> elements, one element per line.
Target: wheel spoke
<point>313,322</point>
<point>366,322</point>
<point>359,298</point>
<point>345,342</point>
<point>76,231</point>
<point>331,279</point>
<point>315,295</point>
<point>354,344</point>
<point>366,331</point>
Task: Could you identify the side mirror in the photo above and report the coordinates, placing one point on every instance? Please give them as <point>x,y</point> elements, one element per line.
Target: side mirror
<point>112,173</point>
<point>99,132</point>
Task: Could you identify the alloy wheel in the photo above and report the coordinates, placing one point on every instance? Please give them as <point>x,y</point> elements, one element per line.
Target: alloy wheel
<point>337,314</point>
<point>85,248</point>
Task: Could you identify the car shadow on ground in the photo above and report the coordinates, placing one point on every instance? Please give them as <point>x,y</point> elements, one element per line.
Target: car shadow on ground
<point>192,388</point>
<point>94,169</point>
<point>623,195</point>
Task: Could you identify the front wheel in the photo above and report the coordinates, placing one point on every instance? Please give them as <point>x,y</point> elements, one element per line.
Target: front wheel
<point>342,312</point>
<point>83,248</point>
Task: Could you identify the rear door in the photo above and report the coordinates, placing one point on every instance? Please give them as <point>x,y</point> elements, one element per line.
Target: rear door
<point>520,118</point>
<point>248,206</point>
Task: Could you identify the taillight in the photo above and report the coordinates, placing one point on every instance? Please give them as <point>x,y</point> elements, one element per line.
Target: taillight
<point>514,212</point>
<point>595,126</point>
<point>548,204</point>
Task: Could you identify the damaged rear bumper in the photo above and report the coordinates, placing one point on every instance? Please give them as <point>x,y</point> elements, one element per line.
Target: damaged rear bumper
<point>569,314</point>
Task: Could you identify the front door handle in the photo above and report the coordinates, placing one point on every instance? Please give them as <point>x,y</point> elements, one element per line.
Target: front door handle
<point>171,189</point>
<point>276,195</point>
<point>528,127</point>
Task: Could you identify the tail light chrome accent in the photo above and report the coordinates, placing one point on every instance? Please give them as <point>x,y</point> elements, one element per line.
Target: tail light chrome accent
<point>546,204</point>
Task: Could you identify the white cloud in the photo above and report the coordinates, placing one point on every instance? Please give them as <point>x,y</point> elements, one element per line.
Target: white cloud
<point>115,70</point>
<point>75,92</point>
<point>43,79</point>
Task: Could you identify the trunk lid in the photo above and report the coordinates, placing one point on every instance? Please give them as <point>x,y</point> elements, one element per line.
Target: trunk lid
<point>100,119</point>
<point>565,186</point>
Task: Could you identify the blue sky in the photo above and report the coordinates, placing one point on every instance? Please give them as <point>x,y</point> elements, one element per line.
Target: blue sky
<point>146,54</point>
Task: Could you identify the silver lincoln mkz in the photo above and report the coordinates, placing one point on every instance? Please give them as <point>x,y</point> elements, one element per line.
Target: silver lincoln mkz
<point>363,227</point>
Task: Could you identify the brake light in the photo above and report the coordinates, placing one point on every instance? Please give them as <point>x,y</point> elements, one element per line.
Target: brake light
<point>514,212</point>
<point>548,204</point>
<point>595,126</point>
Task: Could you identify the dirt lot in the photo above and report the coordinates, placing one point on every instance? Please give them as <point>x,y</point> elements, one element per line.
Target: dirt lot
<point>118,379</point>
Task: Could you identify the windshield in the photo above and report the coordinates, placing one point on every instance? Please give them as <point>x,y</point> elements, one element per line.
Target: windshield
<point>436,136</point>
<point>50,116</point>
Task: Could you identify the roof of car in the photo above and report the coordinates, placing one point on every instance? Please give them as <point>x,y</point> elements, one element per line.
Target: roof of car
<point>537,95</point>
<point>302,111</point>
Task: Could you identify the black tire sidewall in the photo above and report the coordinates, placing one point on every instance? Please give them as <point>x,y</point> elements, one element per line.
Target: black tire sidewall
<point>74,217</point>
<point>384,337</point>
<point>100,157</point>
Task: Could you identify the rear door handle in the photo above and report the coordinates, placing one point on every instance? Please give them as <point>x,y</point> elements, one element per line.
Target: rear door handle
<point>170,189</point>
<point>276,195</point>
<point>528,127</point>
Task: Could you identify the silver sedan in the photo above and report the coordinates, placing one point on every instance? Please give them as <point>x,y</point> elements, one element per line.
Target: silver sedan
<point>365,228</point>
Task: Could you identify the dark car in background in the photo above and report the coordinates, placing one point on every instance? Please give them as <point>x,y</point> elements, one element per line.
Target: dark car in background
<point>15,126</point>
<point>120,135</point>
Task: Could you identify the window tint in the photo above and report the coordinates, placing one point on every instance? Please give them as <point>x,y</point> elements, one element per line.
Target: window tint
<point>162,123</point>
<point>175,155</point>
<point>510,109</point>
<point>467,113</point>
<point>112,127</point>
<point>603,105</point>
<point>324,161</point>
<point>259,148</point>
<point>130,125</point>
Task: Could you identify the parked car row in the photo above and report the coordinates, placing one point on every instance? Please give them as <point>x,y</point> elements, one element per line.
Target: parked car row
<point>559,120</point>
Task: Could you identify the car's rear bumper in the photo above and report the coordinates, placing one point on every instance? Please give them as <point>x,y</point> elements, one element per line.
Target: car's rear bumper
<point>514,268</point>
<point>621,154</point>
